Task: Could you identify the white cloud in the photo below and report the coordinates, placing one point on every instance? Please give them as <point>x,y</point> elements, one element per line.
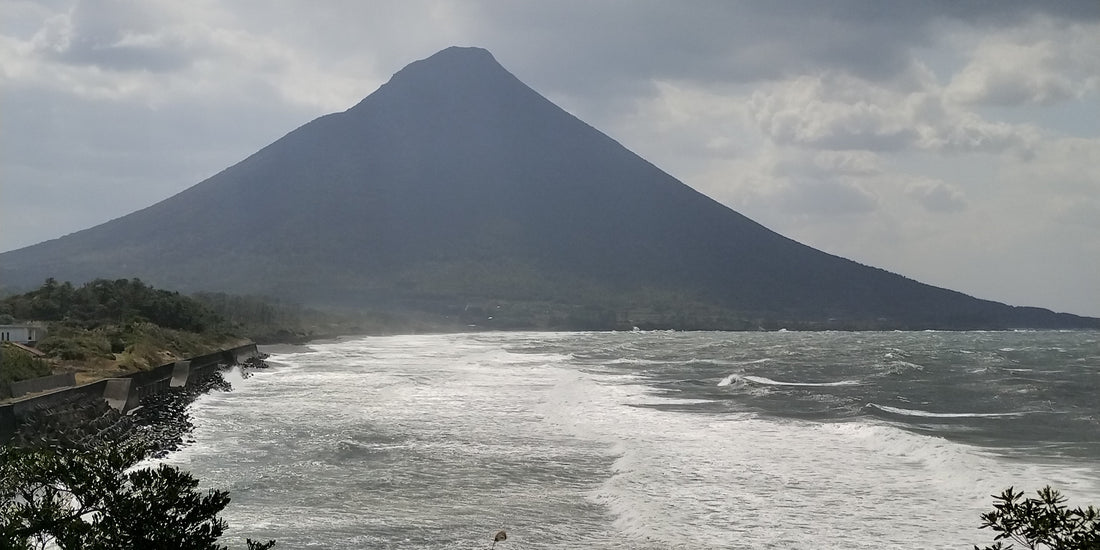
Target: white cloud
<point>841,112</point>
<point>1043,63</point>
<point>809,111</point>
<point>782,187</point>
<point>691,122</point>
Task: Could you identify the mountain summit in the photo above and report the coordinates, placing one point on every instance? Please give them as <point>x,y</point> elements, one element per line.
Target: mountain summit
<point>455,185</point>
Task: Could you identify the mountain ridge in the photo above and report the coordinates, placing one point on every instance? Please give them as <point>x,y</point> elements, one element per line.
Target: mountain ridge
<point>453,182</point>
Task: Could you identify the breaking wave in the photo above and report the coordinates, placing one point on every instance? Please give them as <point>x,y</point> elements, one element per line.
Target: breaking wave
<point>928,414</point>
<point>769,382</point>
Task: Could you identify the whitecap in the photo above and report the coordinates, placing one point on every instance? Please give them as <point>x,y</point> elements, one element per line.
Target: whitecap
<point>734,380</point>
<point>927,414</point>
<point>769,382</point>
<point>899,366</point>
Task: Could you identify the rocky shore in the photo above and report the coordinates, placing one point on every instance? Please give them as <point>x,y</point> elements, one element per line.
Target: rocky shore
<point>160,425</point>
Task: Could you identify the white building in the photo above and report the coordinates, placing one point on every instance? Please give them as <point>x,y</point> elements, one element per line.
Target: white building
<point>22,334</point>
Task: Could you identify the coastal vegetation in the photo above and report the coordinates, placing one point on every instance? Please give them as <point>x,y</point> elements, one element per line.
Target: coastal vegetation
<point>1044,522</point>
<point>16,364</point>
<point>60,488</point>
<point>101,302</point>
<point>104,328</point>
<point>108,327</point>
<point>73,474</point>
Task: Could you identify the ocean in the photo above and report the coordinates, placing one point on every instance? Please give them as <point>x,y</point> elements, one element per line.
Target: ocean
<point>648,440</point>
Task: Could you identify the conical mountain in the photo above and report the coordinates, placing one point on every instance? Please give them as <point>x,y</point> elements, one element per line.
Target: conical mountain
<point>455,183</point>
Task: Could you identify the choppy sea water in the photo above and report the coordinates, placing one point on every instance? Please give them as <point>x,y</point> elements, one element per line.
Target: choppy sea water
<point>651,440</point>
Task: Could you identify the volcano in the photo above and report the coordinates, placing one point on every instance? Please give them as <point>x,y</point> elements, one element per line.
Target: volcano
<point>455,185</point>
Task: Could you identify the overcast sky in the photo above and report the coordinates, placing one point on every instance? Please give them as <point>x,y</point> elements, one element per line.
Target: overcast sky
<point>956,143</point>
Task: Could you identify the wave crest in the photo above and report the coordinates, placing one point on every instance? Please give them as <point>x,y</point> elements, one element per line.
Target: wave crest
<point>928,414</point>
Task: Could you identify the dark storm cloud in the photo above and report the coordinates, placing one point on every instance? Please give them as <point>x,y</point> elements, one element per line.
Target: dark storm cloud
<point>629,42</point>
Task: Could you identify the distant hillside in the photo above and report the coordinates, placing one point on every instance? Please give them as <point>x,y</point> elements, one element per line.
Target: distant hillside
<point>457,191</point>
<point>104,328</point>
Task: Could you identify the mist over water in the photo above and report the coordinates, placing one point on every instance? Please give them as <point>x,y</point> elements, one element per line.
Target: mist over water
<point>651,440</point>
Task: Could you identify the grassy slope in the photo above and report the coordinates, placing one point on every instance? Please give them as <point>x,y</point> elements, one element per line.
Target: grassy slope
<point>106,328</point>
<point>111,350</point>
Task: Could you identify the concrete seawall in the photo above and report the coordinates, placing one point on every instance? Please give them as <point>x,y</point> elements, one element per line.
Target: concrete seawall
<point>126,392</point>
<point>44,383</point>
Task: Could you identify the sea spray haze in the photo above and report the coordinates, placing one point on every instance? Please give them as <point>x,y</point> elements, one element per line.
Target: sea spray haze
<point>456,185</point>
<point>651,440</point>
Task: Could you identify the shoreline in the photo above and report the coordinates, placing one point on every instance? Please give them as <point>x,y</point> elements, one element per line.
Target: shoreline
<point>152,397</point>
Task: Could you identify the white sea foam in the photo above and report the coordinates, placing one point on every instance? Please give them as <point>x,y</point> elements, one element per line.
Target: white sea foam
<point>897,366</point>
<point>683,481</point>
<point>757,361</point>
<point>640,361</point>
<point>739,380</point>
<point>769,382</point>
<point>734,380</point>
<point>234,376</point>
<point>434,441</point>
<point>927,414</point>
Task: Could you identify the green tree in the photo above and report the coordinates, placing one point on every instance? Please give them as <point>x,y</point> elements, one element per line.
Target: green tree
<point>1041,523</point>
<point>90,498</point>
<point>102,302</point>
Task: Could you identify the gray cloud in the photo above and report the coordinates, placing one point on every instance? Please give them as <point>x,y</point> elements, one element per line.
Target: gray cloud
<point>79,162</point>
<point>826,198</point>
<point>744,41</point>
<point>126,36</point>
<point>936,196</point>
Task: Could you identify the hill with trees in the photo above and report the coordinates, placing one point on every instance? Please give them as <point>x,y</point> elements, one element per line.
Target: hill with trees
<point>106,327</point>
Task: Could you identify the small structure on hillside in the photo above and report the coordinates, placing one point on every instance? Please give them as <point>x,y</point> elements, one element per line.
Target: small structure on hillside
<point>26,334</point>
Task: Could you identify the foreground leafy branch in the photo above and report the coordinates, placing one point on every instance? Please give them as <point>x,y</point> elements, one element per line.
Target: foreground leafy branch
<point>91,498</point>
<point>1041,523</point>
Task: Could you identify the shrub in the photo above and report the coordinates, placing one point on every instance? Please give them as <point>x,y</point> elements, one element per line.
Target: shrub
<point>73,343</point>
<point>19,365</point>
<point>1043,522</point>
<point>92,498</point>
